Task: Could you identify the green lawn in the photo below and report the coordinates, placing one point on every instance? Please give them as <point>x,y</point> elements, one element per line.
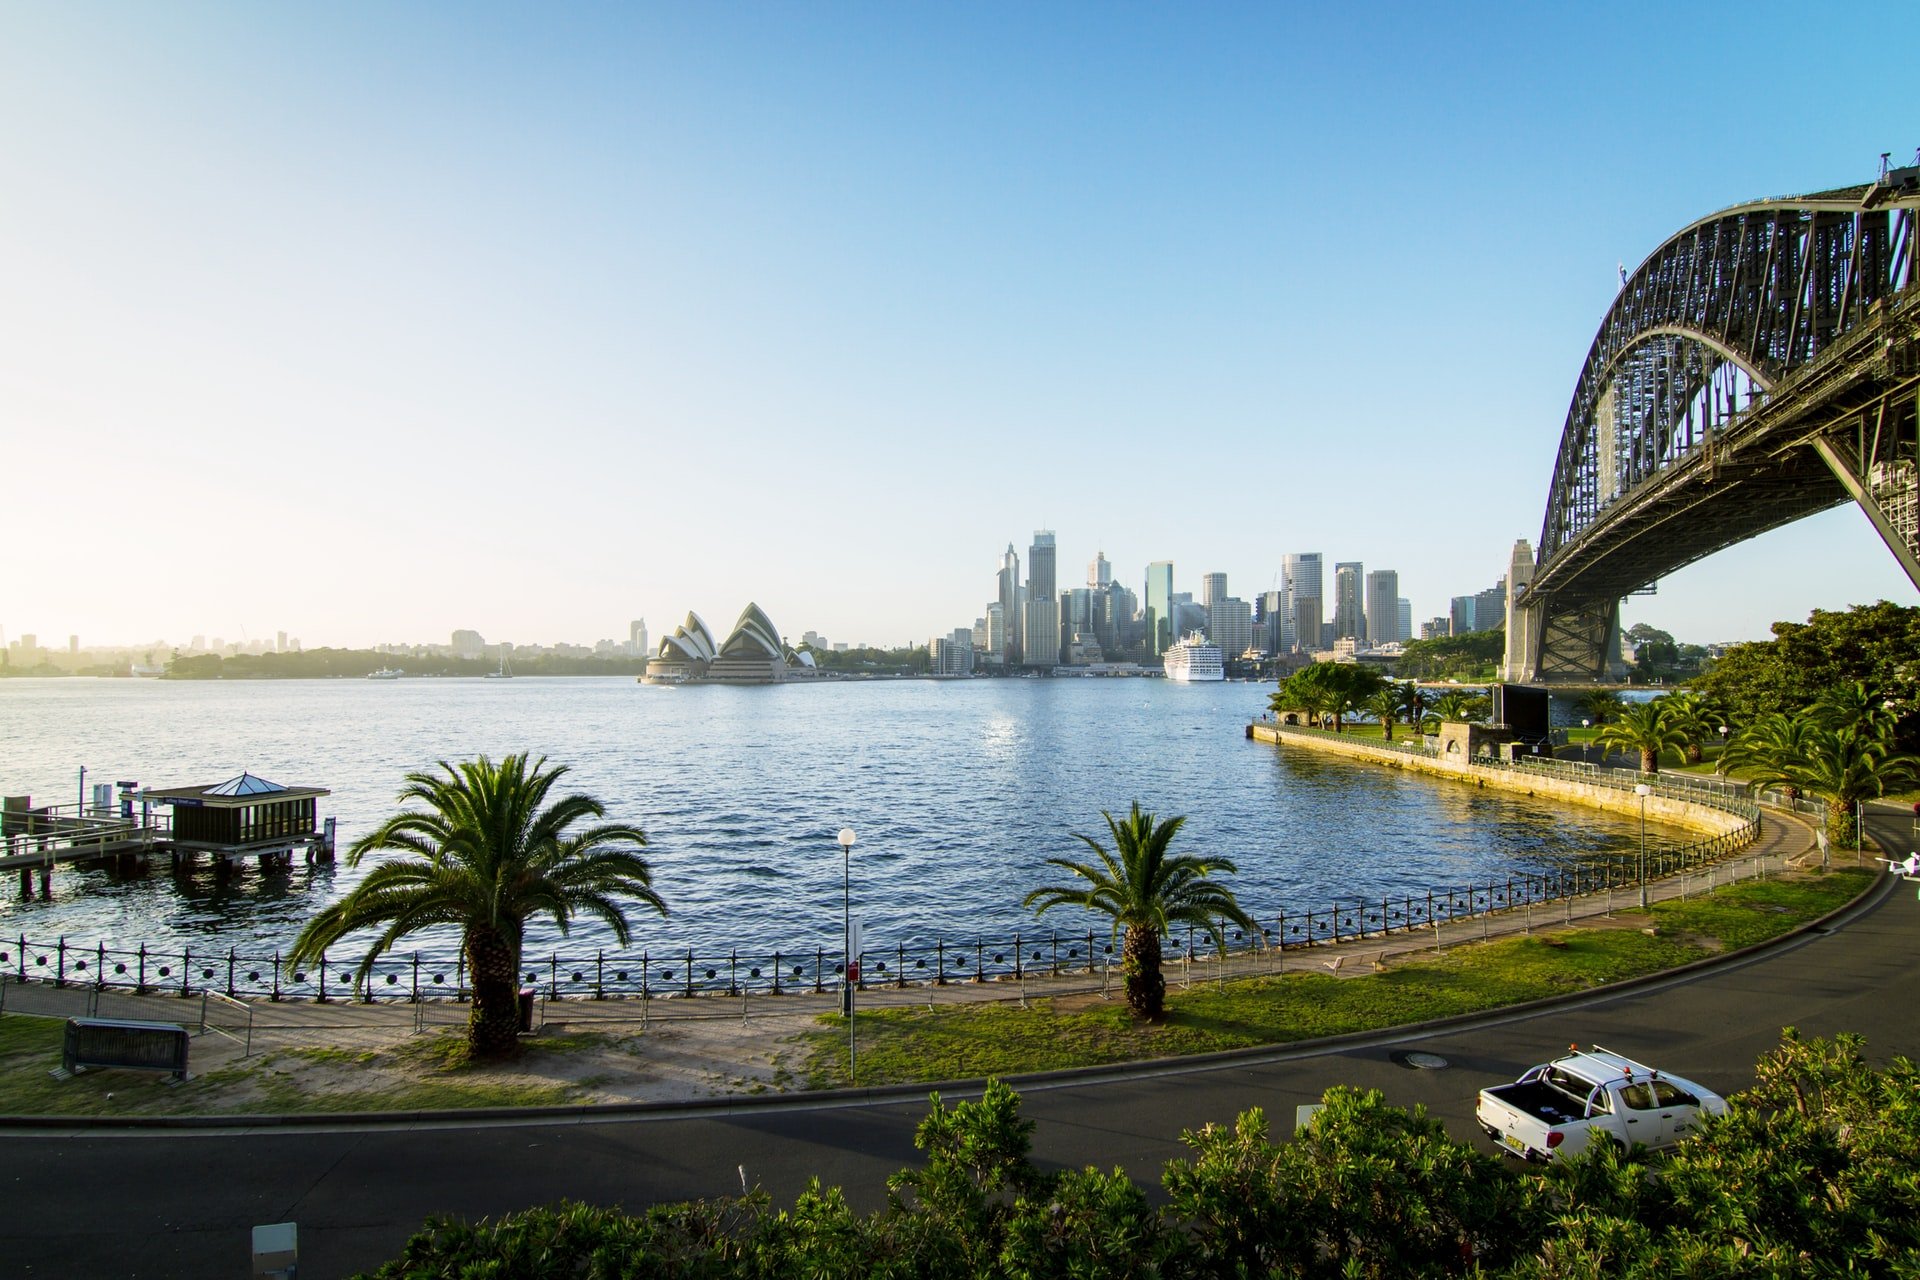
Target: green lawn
<point>435,1067</point>
<point>966,1041</point>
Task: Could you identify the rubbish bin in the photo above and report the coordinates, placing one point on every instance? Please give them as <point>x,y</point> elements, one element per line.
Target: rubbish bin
<point>527,995</point>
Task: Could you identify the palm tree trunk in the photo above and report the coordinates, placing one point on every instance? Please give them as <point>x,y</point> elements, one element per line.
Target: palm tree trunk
<point>1140,962</point>
<point>1841,832</point>
<point>1649,761</point>
<point>493,1027</point>
<point>1387,724</point>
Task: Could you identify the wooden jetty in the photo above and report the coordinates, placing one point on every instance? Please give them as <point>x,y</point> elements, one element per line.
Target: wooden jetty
<point>230,822</point>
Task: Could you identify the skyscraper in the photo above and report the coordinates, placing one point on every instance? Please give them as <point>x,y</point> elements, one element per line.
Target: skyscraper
<point>1349,616</point>
<point>1159,596</point>
<point>1270,609</point>
<point>1009,607</point>
<point>1213,588</point>
<point>1301,572</point>
<point>1040,638</point>
<point>1230,625</point>
<point>1099,572</point>
<point>1405,619</point>
<point>1383,607</point>
<point>637,638</point>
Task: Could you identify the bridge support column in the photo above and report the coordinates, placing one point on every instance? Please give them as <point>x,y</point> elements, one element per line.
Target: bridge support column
<point>1548,643</point>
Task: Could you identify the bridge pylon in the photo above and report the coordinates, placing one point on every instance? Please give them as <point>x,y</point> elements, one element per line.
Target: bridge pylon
<point>1557,642</point>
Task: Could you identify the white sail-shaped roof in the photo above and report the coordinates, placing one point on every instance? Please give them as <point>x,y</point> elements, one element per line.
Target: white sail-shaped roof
<point>691,641</point>
<point>754,636</point>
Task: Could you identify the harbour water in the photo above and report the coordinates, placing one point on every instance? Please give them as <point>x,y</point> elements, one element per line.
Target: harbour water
<point>959,792</point>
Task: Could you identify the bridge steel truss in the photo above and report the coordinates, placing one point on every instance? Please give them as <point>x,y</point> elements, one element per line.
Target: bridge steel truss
<point>1760,366</point>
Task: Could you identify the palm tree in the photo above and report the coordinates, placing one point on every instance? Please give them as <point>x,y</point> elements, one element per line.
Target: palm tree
<point>1767,747</point>
<point>1601,705</point>
<point>1697,717</point>
<point>1145,890</point>
<point>485,856</point>
<point>1852,708</point>
<point>1458,704</point>
<point>1648,728</point>
<point>1385,705</point>
<point>1840,764</point>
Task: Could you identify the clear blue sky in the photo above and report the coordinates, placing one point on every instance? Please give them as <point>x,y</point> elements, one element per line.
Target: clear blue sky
<point>367,322</point>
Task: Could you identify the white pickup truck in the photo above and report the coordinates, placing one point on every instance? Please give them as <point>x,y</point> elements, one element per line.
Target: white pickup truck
<point>1557,1108</point>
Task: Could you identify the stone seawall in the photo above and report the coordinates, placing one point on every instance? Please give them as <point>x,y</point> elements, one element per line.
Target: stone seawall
<point>1660,808</point>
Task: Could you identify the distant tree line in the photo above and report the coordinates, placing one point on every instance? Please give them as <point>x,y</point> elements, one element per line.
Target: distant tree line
<point>1473,656</point>
<point>321,664</point>
<point>912,660</point>
<point>1809,1174</point>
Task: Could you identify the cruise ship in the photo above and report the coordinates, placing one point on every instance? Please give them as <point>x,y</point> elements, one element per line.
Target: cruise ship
<point>1194,661</point>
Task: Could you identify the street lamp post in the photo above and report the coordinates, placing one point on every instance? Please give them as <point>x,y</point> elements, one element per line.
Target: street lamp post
<point>849,972</point>
<point>1586,744</point>
<point>1643,791</point>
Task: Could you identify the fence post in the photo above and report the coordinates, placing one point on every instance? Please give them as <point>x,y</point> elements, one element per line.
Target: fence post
<point>230,960</point>
<point>60,962</point>
<point>776,973</point>
<point>416,978</point>
<point>275,998</point>
<point>979,958</point>
<point>322,997</point>
<point>140,979</point>
<point>733,972</point>
<point>819,963</point>
<point>940,959</point>
<point>100,968</point>
<point>900,964</point>
<point>553,976</point>
<point>646,970</point>
<point>689,970</point>
<point>1018,957</point>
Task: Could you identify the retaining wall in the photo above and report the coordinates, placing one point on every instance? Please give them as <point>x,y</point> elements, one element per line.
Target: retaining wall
<point>1611,796</point>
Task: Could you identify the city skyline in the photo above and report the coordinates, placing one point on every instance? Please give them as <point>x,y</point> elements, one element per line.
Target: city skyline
<point>533,323</point>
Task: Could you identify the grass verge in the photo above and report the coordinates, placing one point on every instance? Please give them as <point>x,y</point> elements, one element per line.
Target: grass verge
<point>419,1074</point>
<point>963,1041</point>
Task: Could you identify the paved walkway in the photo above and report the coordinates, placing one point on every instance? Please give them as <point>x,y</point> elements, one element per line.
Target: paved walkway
<point>713,1045</point>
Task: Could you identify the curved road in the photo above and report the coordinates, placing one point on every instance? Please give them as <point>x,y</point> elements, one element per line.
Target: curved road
<point>180,1203</point>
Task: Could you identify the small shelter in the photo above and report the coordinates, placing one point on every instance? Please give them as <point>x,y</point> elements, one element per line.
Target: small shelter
<point>242,816</point>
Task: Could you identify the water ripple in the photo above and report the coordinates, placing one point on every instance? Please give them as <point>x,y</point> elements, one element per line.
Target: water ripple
<point>959,793</point>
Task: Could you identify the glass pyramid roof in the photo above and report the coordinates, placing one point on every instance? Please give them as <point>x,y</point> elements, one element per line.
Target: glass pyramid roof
<point>244,785</point>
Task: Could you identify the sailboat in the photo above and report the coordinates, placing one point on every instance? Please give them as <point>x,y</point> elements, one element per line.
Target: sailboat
<point>506,667</point>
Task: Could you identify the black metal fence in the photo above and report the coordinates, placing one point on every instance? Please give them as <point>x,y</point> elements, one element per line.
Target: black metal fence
<point>599,975</point>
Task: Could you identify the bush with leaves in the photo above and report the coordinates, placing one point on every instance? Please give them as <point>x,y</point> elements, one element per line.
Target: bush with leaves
<point>1815,1171</point>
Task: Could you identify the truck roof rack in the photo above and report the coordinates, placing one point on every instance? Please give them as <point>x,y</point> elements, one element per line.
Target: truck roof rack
<point>1636,1068</point>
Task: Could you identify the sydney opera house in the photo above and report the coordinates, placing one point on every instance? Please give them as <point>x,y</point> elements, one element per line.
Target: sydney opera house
<point>753,654</point>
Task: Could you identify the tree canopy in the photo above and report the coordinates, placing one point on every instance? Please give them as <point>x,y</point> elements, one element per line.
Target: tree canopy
<point>1875,645</point>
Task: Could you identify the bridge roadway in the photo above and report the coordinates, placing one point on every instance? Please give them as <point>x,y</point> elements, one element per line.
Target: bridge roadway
<point>180,1203</point>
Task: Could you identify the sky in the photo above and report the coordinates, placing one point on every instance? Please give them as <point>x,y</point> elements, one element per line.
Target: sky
<point>369,322</point>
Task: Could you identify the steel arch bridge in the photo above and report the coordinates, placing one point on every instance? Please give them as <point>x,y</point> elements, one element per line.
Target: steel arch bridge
<point>1760,366</point>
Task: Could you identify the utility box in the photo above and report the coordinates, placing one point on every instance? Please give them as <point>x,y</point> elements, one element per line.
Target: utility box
<point>276,1251</point>
<point>130,1046</point>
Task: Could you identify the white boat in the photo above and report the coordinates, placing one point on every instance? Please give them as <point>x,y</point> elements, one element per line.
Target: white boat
<point>385,673</point>
<point>506,668</point>
<point>1194,661</point>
